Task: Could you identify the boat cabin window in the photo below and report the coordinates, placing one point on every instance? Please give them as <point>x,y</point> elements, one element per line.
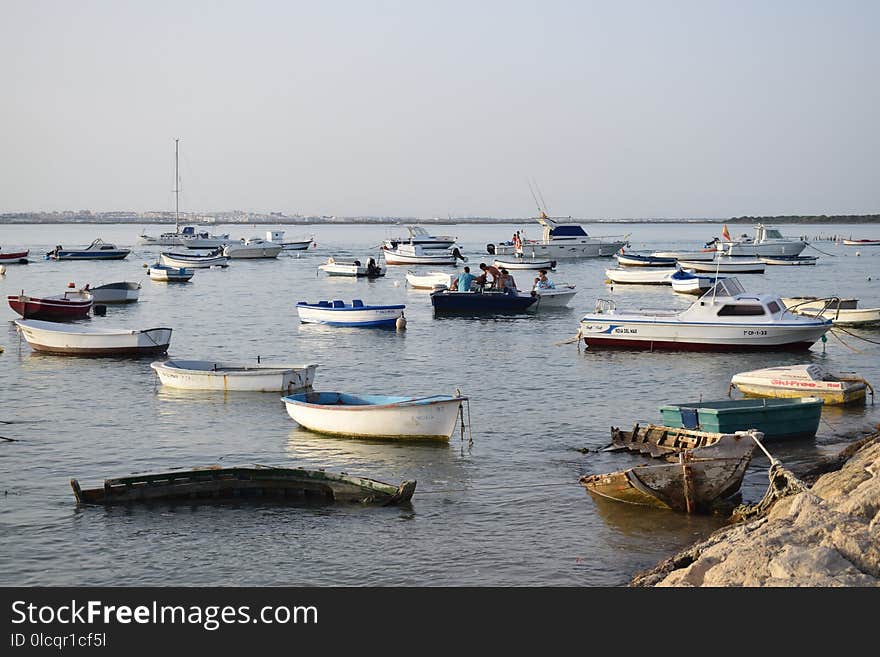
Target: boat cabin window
<point>772,233</point>
<point>773,307</point>
<point>741,309</point>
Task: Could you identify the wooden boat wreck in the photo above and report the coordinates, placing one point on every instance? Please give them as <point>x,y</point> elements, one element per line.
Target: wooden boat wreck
<point>698,480</point>
<point>256,482</point>
<point>658,441</point>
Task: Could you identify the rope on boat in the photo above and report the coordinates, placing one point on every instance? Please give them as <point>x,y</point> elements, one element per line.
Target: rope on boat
<point>855,335</point>
<point>783,483</point>
<point>461,415</point>
<point>839,339</point>
<point>819,250</point>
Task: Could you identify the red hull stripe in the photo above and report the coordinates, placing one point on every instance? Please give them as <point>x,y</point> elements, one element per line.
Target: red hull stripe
<point>693,346</point>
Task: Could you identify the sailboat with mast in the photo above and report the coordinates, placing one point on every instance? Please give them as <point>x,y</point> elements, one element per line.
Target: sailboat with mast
<point>188,236</point>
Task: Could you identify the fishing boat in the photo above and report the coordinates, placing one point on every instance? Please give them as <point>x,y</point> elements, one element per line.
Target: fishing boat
<point>686,281</point>
<point>334,267</point>
<point>375,416</point>
<point>122,292</point>
<point>698,480</point>
<point>768,241</point>
<point>338,313</point>
<point>97,250</point>
<point>251,377</point>
<point>192,260</point>
<point>643,260</point>
<point>167,274</point>
<point>864,242</point>
<point>254,247</point>
<point>277,237</point>
<point>775,418</point>
<point>725,265</point>
<point>830,309</point>
<point>525,263</point>
<point>554,297</point>
<point>73,304</point>
<point>561,241</point>
<point>486,302</point>
<point>410,254</point>
<point>76,340</point>
<point>691,256</point>
<point>789,260</point>
<point>433,280</point>
<point>418,236</point>
<point>236,484</point>
<point>641,275</point>
<point>803,380</point>
<point>725,318</point>
<point>14,257</point>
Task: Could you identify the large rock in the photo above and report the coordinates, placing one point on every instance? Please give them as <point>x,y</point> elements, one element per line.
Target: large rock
<point>828,535</point>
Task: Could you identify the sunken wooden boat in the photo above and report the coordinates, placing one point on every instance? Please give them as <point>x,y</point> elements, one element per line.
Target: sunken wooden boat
<point>699,480</point>
<point>658,441</point>
<point>240,483</point>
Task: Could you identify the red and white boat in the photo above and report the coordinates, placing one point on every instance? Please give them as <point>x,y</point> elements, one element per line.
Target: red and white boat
<point>73,304</point>
<point>13,256</point>
<point>861,242</point>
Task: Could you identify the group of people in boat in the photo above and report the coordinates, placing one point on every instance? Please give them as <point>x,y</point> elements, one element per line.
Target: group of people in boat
<point>501,279</point>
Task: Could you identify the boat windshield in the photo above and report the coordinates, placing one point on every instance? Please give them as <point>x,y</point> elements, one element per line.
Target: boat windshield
<point>726,287</point>
<point>417,231</point>
<point>772,233</point>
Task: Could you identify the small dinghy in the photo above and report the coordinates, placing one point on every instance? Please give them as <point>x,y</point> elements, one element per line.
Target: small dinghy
<point>686,281</point>
<point>250,377</point>
<point>776,418</point>
<point>696,481</point>
<point>76,340</point>
<point>694,256</point>
<point>375,416</point>
<point>725,265</point>
<point>554,297</point>
<point>433,280</point>
<point>640,275</point>
<point>413,254</point>
<point>833,308</point>
<point>338,313</point>
<point>167,274</point>
<point>122,292</point>
<point>14,257</point>
<point>804,380</point>
<point>866,242</point>
<point>190,260</point>
<point>525,263</point>
<point>789,260</point>
<point>73,304</point>
<point>259,483</point>
<point>643,260</point>
<point>334,267</point>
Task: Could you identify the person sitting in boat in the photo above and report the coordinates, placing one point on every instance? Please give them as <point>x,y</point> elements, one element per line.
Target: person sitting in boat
<point>505,282</point>
<point>488,270</point>
<point>517,242</point>
<point>372,268</point>
<point>464,282</point>
<point>542,282</point>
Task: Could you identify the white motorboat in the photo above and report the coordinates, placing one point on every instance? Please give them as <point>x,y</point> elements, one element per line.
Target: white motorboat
<point>97,250</point>
<point>525,263</point>
<point>375,416</point>
<point>555,297</point>
<point>641,275</point>
<point>561,241</point>
<point>804,380</point>
<point>691,256</point>
<point>190,260</point>
<point>122,292</point>
<point>411,254</point>
<point>433,280</point>
<point>725,265</point>
<point>254,247</point>
<point>252,377</point>
<point>301,244</point>
<point>334,267</point>
<point>686,281</point>
<point>166,274</point>
<point>767,241</point>
<point>338,313</point>
<point>78,340</point>
<point>830,309</point>
<point>723,319</point>
<point>418,236</point>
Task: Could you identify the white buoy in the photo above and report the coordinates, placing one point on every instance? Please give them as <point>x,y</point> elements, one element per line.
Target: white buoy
<point>401,323</point>
<point>858,253</point>
<point>396,283</point>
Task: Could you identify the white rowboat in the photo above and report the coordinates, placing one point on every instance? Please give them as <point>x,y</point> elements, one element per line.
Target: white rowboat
<point>431,281</point>
<point>250,377</point>
<point>186,260</point>
<point>725,265</point>
<point>804,380</point>
<point>123,292</point>
<point>55,338</point>
<point>166,274</point>
<point>641,275</point>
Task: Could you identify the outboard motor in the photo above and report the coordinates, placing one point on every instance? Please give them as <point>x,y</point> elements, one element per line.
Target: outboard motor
<point>99,309</point>
<point>457,254</point>
<point>490,249</point>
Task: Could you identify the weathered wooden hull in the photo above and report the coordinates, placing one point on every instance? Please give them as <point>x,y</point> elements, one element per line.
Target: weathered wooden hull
<point>241,483</point>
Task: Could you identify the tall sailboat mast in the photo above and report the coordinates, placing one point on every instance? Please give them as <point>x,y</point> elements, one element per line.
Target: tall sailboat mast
<point>176,190</point>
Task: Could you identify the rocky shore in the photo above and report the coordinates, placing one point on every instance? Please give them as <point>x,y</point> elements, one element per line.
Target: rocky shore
<point>822,535</point>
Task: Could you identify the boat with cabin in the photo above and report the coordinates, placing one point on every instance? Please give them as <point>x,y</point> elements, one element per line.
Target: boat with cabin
<point>252,248</point>
<point>561,241</point>
<point>768,241</point>
<point>803,380</point>
<point>695,480</point>
<point>776,418</point>
<point>72,304</point>
<point>234,377</point>
<point>725,318</point>
<point>301,244</point>
<point>376,416</point>
<point>167,274</point>
<point>418,236</point>
<point>411,254</point>
<point>121,292</point>
<point>193,260</point>
<point>357,313</point>
<point>97,250</point>
<point>78,340</point>
<point>356,268</point>
<point>260,483</point>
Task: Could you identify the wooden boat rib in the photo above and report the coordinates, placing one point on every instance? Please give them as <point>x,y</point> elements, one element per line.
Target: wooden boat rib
<point>701,477</point>
<point>257,482</point>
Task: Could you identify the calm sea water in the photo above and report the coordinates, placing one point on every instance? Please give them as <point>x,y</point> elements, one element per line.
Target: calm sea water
<point>506,510</point>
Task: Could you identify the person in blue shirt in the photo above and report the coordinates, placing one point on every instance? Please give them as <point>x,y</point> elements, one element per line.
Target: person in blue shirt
<point>542,282</point>
<point>464,281</point>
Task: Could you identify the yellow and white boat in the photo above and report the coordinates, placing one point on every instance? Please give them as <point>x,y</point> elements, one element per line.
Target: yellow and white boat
<point>805,380</point>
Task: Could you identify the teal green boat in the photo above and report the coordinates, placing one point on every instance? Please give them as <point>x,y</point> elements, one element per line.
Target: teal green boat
<point>776,418</point>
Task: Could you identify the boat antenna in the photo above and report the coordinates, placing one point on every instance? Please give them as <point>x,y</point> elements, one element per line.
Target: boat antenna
<point>534,196</point>
<point>176,189</point>
<point>541,196</point>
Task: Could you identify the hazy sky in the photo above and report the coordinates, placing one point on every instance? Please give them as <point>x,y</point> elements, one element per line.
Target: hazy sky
<point>616,109</point>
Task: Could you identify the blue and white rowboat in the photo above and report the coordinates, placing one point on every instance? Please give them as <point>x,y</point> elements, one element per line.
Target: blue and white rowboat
<point>375,416</point>
<point>338,313</point>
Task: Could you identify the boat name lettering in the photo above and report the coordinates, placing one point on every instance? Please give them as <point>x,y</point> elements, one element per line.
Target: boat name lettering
<point>754,332</point>
<point>626,330</point>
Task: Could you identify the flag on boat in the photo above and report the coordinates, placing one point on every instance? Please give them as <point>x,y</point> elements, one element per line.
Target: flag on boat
<point>724,233</point>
